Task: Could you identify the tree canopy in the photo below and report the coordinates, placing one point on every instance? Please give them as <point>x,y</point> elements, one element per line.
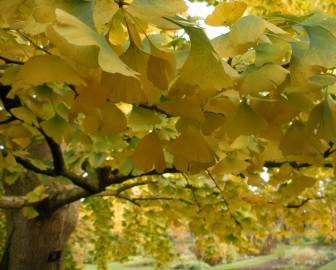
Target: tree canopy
<point>296,7</point>
<point>136,104</point>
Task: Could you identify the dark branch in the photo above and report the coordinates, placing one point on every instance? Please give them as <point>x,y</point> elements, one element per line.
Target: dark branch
<point>154,108</point>
<point>223,198</point>
<point>124,188</point>
<point>302,203</point>
<point>293,164</point>
<point>11,61</point>
<point>121,179</point>
<point>56,153</point>
<point>7,121</point>
<point>29,166</point>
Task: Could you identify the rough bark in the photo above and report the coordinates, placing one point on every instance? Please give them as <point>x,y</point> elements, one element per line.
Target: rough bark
<point>38,244</point>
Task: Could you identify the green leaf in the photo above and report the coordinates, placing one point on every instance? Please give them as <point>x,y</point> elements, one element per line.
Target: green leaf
<point>29,212</point>
<point>274,52</point>
<point>322,47</point>
<point>141,117</point>
<point>37,195</point>
<point>11,178</point>
<point>56,127</point>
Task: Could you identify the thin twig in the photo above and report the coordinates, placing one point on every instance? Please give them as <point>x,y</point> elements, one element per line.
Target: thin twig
<point>224,200</point>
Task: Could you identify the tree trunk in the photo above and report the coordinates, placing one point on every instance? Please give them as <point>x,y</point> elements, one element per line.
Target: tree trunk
<point>38,244</point>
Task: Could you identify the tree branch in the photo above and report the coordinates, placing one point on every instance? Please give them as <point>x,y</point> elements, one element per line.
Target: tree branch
<point>11,61</point>
<point>224,200</point>
<point>293,164</point>
<point>14,202</point>
<point>124,188</point>
<point>154,108</point>
<point>121,179</point>
<point>302,203</point>
<point>56,153</point>
<point>33,42</point>
<point>8,120</point>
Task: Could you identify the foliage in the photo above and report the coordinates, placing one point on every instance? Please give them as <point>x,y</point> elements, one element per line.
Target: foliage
<point>297,7</point>
<point>101,210</point>
<point>181,131</point>
<point>69,262</point>
<point>306,258</point>
<point>212,252</point>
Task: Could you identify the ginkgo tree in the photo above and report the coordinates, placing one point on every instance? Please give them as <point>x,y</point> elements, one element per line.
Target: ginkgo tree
<point>296,7</point>
<point>105,100</point>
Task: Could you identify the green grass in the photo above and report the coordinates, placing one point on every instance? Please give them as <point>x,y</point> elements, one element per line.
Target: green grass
<point>329,266</point>
<point>245,263</point>
<point>118,266</point>
<point>232,266</point>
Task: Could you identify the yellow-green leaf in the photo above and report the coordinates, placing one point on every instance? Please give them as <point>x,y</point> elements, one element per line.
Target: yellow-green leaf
<point>77,33</point>
<point>56,127</point>
<point>153,11</point>
<point>29,212</point>
<point>37,195</point>
<point>226,13</point>
<point>48,69</point>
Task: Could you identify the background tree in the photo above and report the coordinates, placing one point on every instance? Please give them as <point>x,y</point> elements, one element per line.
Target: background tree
<point>104,100</point>
<point>296,7</point>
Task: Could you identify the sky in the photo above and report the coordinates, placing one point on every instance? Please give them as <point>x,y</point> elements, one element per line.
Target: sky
<point>203,10</point>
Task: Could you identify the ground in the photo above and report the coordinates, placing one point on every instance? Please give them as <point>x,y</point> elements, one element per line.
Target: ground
<point>305,257</point>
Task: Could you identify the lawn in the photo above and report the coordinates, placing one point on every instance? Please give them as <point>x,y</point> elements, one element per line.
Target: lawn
<point>245,263</point>
<point>117,266</point>
<point>329,266</point>
<point>141,263</point>
<point>232,266</point>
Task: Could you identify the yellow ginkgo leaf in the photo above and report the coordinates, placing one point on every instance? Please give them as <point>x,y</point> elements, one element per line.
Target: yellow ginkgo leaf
<point>141,117</point>
<point>245,122</point>
<point>154,11</point>
<point>78,33</point>
<point>113,120</point>
<point>47,69</point>
<point>191,147</point>
<point>202,57</point>
<point>266,78</point>
<point>90,97</point>
<point>226,13</point>
<point>298,184</point>
<point>149,154</point>
<point>274,52</point>
<point>234,163</point>
<point>322,120</point>
<point>244,34</point>
<point>103,12</point>
<point>178,108</point>
<point>24,114</point>
<point>91,122</point>
<point>300,143</point>
<point>161,67</point>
